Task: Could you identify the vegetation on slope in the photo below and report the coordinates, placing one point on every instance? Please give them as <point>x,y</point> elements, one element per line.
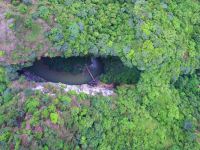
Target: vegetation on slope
<point>70,121</point>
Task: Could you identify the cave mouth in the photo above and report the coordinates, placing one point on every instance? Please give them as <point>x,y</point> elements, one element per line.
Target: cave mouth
<point>81,70</point>
<point>72,70</point>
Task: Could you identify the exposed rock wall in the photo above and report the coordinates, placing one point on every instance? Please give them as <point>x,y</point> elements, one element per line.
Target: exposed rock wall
<point>84,88</point>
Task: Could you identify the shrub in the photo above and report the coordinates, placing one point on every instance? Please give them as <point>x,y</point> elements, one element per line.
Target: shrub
<point>23,8</point>
<point>54,117</point>
<point>31,105</point>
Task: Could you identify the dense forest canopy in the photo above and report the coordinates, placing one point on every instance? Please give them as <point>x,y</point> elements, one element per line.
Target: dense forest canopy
<point>161,38</point>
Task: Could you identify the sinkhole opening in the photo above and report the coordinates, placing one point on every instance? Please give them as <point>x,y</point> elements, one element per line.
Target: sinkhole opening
<point>81,70</point>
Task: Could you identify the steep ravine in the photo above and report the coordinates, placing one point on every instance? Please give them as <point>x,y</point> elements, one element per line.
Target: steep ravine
<point>89,75</point>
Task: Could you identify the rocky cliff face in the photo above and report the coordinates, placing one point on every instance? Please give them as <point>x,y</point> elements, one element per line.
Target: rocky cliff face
<point>84,88</point>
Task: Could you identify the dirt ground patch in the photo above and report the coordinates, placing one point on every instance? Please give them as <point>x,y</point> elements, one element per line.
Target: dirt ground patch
<point>8,40</point>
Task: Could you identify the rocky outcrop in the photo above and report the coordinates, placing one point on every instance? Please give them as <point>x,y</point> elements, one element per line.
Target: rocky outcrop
<point>84,88</point>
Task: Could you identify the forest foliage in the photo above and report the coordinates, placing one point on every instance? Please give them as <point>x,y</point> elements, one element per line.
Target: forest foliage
<point>158,111</point>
